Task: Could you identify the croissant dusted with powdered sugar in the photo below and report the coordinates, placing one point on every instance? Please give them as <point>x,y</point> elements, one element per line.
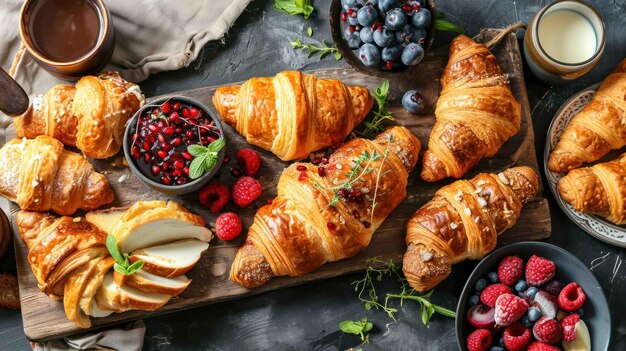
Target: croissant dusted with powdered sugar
<point>476,112</point>
<point>463,220</point>
<point>328,212</point>
<point>293,114</point>
<point>39,175</point>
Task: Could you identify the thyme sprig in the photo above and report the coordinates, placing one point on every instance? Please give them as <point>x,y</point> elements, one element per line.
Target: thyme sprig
<point>378,269</point>
<point>375,123</point>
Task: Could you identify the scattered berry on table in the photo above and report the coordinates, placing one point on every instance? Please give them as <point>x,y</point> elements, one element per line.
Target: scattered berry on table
<point>510,270</point>
<point>480,284</point>
<point>481,316</point>
<point>413,102</point>
<point>554,287</point>
<point>534,313</point>
<point>214,195</point>
<point>474,300</point>
<point>540,346</point>
<point>249,161</point>
<point>245,191</point>
<point>509,309</point>
<point>568,326</point>
<point>571,297</point>
<point>412,54</point>
<point>493,277</point>
<point>546,303</point>
<point>516,337</point>
<point>479,340</point>
<point>547,330</point>
<point>228,226</point>
<point>539,270</point>
<point>491,293</point>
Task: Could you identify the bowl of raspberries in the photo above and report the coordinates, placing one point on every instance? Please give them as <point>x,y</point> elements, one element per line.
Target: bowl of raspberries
<point>383,37</point>
<point>532,296</point>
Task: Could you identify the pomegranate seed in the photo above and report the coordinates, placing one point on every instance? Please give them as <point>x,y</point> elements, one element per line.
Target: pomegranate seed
<point>146,157</point>
<point>186,171</point>
<point>161,154</point>
<point>344,16</point>
<point>269,202</point>
<point>211,139</point>
<point>168,130</point>
<point>367,224</point>
<point>177,173</point>
<point>226,159</point>
<point>174,117</point>
<point>166,107</point>
<point>189,134</point>
<point>388,65</point>
<point>146,146</point>
<point>358,27</point>
<point>166,147</point>
<point>155,111</point>
<point>317,161</point>
<point>134,149</point>
<point>331,226</point>
<point>176,106</point>
<point>187,155</point>
<point>416,7</point>
<point>175,156</point>
<point>153,128</point>
<point>321,171</point>
<point>180,164</point>
<point>156,170</point>
<point>136,155</point>
<point>178,130</point>
<point>324,160</point>
<point>166,180</point>
<point>303,176</point>
<point>193,112</point>
<point>150,139</point>
<point>161,138</point>
<point>235,172</point>
<point>352,29</point>
<point>350,12</point>
<point>176,141</point>
<point>181,180</point>
<point>186,112</point>
<point>301,168</point>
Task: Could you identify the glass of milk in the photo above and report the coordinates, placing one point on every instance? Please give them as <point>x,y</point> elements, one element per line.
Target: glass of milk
<point>564,41</point>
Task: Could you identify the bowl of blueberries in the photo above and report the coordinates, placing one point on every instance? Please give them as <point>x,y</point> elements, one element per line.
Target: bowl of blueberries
<point>383,37</point>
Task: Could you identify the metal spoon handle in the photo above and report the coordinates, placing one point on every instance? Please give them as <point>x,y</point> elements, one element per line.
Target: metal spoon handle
<point>13,99</point>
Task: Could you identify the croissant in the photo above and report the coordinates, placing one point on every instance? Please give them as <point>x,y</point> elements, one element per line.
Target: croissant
<point>328,212</point>
<point>463,220</point>
<point>40,175</point>
<point>600,189</point>
<point>91,116</point>
<point>293,114</point>
<point>599,128</point>
<point>476,112</point>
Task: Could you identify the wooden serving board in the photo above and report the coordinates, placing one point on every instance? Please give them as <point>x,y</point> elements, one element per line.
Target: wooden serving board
<point>45,318</point>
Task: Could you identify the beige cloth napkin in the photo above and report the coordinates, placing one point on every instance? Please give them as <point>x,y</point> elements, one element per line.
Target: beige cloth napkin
<point>150,36</point>
<point>126,338</point>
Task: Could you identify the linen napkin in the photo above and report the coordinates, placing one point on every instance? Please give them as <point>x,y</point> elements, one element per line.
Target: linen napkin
<point>126,338</point>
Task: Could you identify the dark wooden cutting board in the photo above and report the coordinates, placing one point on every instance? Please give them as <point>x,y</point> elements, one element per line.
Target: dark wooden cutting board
<point>45,318</point>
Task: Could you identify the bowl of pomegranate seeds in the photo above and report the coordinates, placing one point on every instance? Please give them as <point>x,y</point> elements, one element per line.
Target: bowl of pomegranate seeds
<point>532,296</point>
<point>174,145</point>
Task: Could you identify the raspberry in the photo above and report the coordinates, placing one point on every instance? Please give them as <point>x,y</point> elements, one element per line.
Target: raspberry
<point>245,191</point>
<point>539,270</point>
<point>228,226</point>
<point>540,346</point>
<point>479,340</point>
<point>510,270</point>
<point>571,297</point>
<point>568,325</point>
<point>214,195</point>
<point>509,309</point>
<point>490,294</point>
<point>546,303</point>
<point>547,330</point>
<point>516,336</point>
<point>249,160</point>
<point>554,287</point>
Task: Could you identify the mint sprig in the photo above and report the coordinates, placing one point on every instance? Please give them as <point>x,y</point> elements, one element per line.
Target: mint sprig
<point>122,264</point>
<point>375,123</point>
<point>205,157</point>
<point>360,328</point>
<point>295,7</point>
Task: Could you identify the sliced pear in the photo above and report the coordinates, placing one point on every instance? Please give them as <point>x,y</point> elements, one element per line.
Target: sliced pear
<point>170,260</point>
<point>582,341</point>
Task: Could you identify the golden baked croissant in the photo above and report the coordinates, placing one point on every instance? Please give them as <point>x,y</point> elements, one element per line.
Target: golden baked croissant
<point>40,175</point>
<point>600,189</point>
<point>293,114</point>
<point>463,220</point>
<point>327,213</point>
<point>91,116</point>
<point>599,128</point>
<point>476,112</point>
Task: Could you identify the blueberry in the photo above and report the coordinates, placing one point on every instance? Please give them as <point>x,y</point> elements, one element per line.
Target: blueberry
<point>421,19</point>
<point>366,16</point>
<point>580,312</point>
<point>521,285</point>
<point>412,54</point>
<point>496,348</point>
<point>534,314</point>
<point>346,4</point>
<point>353,39</point>
<point>501,342</point>
<point>384,37</point>
<point>391,53</point>
<point>367,35</point>
<point>531,292</point>
<point>480,284</point>
<point>369,55</point>
<point>493,277</point>
<point>362,2</point>
<point>526,322</point>
<point>372,3</point>
<point>418,35</point>
<point>395,19</point>
<point>386,5</point>
<point>474,300</point>
<point>413,102</point>
<point>353,19</point>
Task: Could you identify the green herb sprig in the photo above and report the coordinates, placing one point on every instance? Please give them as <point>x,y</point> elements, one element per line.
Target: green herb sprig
<point>122,264</point>
<point>375,123</point>
<point>360,328</point>
<point>443,25</point>
<point>205,157</point>
<point>311,49</point>
<point>375,271</point>
<point>295,7</point>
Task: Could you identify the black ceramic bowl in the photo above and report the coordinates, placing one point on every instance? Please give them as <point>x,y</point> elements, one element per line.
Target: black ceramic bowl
<point>568,269</point>
<point>173,189</point>
<point>349,55</point>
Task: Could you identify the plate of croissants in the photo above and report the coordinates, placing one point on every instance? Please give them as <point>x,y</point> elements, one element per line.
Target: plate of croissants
<point>585,158</point>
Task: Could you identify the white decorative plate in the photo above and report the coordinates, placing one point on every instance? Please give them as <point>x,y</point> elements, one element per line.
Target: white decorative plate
<point>594,225</point>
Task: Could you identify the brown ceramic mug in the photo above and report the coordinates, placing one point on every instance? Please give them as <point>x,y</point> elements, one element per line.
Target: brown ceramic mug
<point>58,52</point>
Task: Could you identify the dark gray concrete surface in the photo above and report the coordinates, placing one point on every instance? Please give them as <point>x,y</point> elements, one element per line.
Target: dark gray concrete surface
<point>307,317</point>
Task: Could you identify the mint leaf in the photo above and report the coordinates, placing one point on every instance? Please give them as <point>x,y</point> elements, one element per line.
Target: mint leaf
<point>196,150</point>
<point>360,328</point>
<point>135,267</point>
<point>309,31</point>
<point>120,269</point>
<point>111,245</point>
<point>446,26</point>
<point>217,145</point>
<point>196,169</point>
<point>209,163</point>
